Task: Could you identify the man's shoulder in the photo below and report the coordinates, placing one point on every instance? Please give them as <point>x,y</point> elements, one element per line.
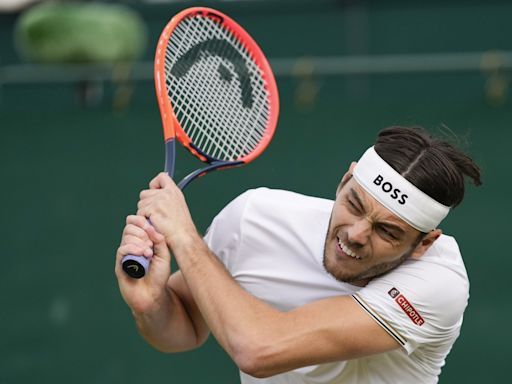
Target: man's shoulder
<point>268,202</point>
<point>291,215</point>
<point>436,283</point>
<point>445,243</point>
<point>270,199</point>
<point>445,252</point>
<point>274,222</point>
<point>442,261</point>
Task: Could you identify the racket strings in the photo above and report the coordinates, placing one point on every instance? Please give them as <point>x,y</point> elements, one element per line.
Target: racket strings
<point>219,96</point>
<point>217,139</point>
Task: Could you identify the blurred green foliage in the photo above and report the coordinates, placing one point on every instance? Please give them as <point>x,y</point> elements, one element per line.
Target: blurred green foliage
<point>80,32</point>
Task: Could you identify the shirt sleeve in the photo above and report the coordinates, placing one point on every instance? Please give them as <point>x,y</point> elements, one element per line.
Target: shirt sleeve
<point>420,302</point>
<point>224,233</point>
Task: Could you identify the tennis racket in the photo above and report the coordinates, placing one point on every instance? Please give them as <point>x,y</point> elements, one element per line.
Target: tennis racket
<point>217,96</point>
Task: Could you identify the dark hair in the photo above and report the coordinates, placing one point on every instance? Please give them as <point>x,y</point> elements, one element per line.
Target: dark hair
<point>433,165</point>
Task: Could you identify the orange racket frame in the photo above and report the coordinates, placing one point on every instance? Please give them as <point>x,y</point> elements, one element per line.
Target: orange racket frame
<point>171,126</point>
<point>136,266</point>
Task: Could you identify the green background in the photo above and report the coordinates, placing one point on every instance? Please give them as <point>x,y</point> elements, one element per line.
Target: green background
<point>71,173</point>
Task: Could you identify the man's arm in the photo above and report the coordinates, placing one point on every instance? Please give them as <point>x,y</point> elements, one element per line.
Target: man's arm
<point>162,306</point>
<point>175,326</point>
<point>264,341</point>
<point>261,340</point>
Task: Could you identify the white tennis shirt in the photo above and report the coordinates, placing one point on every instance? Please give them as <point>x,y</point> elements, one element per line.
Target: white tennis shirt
<point>272,243</point>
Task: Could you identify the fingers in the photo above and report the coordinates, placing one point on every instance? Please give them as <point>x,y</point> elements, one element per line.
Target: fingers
<point>136,237</point>
<point>135,231</point>
<point>165,206</point>
<point>144,246</point>
<point>136,220</point>
<point>143,243</point>
<point>147,193</point>
<point>154,236</point>
<point>146,197</point>
<point>160,248</point>
<point>133,249</point>
<point>162,180</point>
<point>135,227</point>
<point>149,201</point>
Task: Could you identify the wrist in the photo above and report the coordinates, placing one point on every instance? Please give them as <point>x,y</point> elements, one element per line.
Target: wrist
<point>183,241</point>
<point>187,248</point>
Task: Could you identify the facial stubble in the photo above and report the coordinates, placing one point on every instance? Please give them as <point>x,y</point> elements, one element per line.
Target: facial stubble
<point>365,275</point>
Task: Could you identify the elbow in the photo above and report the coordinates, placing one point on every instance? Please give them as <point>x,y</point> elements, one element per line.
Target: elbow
<point>176,345</point>
<point>255,360</point>
<point>161,347</point>
<point>173,348</point>
<point>252,365</point>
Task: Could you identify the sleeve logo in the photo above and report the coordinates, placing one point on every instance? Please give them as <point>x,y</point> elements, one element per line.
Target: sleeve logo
<point>407,307</point>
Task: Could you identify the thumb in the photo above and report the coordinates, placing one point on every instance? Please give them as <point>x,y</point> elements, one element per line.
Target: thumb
<point>162,180</point>
<point>160,248</point>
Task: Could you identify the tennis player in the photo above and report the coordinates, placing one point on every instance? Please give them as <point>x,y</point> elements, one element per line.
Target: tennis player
<point>299,289</point>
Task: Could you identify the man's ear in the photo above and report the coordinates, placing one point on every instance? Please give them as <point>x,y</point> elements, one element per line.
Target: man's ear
<point>425,243</point>
<point>346,177</point>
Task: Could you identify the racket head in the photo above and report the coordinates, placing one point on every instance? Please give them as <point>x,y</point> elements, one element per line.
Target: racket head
<point>215,88</point>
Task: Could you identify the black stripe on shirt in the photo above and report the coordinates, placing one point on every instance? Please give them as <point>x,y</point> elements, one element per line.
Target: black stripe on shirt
<point>382,323</point>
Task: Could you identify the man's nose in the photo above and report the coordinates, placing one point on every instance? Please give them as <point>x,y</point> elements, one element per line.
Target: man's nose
<point>359,232</point>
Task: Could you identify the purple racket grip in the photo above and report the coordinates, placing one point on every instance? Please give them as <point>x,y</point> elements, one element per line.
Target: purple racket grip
<point>135,266</point>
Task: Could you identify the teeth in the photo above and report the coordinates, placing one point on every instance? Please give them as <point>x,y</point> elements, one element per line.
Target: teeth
<point>347,250</point>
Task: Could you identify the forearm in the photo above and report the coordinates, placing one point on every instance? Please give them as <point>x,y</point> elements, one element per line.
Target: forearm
<point>168,327</point>
<point>238,320</point>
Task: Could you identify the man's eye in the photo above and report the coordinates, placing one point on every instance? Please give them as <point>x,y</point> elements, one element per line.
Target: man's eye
<point>387,233</point>
<point>353,206</point>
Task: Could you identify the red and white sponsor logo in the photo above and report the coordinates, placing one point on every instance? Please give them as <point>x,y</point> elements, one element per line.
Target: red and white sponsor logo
<point>407,307</point>
<point>393,292</point>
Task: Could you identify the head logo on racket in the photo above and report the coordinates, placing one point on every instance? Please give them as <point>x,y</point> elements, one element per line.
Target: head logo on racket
<point>224,50</point>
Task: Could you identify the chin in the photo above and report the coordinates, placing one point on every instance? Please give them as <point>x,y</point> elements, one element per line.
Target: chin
<point>333,268</point>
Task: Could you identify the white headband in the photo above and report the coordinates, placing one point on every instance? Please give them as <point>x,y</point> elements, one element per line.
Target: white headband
<point>397,194</point>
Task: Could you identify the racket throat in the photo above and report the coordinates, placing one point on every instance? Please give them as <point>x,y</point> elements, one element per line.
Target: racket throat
<point>170,153</point>
<point>211,167</point>
<point>203,156</point>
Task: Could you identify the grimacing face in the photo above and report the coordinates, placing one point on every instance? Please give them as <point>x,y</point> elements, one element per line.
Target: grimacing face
<point>365,239</point>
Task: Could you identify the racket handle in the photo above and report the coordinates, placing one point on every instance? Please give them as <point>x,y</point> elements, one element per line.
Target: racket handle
<point>135,266</point>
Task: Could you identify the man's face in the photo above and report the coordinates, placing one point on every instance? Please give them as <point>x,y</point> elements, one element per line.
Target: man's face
<point>365,239</point>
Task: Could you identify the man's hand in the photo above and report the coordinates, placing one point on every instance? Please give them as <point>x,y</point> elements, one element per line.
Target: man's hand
<point>162,305</point>
<point>164,204</point>
<point>140,238</point>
